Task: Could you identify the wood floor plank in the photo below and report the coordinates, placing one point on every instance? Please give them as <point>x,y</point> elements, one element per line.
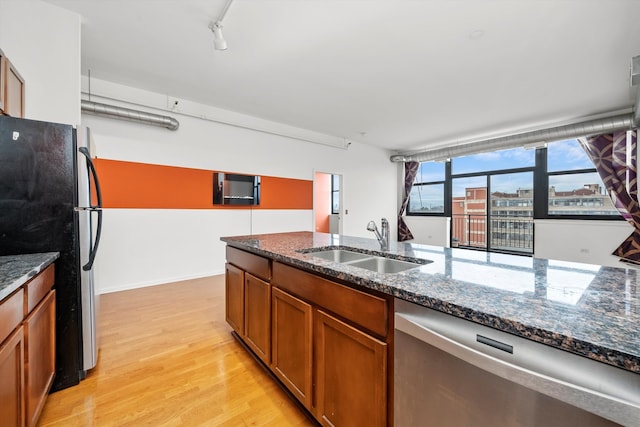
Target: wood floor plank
<point>168,358</point>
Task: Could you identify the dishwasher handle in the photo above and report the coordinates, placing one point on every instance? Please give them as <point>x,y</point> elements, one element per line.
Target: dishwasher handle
<point>605,405</point>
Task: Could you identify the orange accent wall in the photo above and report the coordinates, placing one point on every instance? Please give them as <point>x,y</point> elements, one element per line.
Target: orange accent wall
<point>322,198</point>
<point>148,186</point>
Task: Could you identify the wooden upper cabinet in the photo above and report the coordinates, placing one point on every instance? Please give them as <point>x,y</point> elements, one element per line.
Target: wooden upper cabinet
<point>13,91</point>
<point>3,70</point>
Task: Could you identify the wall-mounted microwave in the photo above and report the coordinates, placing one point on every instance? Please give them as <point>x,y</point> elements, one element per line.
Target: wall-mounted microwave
<point>236,189</point>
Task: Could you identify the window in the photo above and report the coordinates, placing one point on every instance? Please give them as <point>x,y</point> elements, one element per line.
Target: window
<point>427,195</point>
<point>515,158</point>
<point>335,194</point>
<point>575,189</point>
<point>493,198</point>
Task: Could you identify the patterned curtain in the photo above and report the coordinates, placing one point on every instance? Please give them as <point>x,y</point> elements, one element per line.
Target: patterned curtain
<point>410,172</point>
<point>615,158</point>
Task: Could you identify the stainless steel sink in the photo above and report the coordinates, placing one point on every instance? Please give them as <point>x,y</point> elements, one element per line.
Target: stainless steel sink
<point>384,265</point>
<point>371,262</point>
<point>340,255</point>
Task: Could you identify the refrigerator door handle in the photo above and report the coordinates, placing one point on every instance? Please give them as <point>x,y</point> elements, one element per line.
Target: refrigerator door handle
<point>97,208</point>
<point>92,168</point>
<point>92,253</point>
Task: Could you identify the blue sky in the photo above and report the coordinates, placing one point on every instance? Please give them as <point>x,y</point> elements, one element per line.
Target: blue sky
<point>562,155</point>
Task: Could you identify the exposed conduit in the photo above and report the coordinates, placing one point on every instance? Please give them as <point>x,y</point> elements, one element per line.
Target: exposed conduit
<point>129,114</point>
<point>591,127</point>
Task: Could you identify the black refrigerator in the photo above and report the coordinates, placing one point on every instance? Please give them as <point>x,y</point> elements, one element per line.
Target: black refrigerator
<point>50,202</point>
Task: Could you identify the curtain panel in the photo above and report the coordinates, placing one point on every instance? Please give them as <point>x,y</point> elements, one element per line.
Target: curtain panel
<point>615,158</point>
<point>410,172</point>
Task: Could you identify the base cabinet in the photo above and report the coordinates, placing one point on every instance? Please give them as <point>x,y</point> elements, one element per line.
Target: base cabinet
<point>328,343</point>
<point>234,298</point>
<point>12,380</point>
<point>291,344</point>
<point>257,316</point>
<point>40,353</point>
<point>27,350</point>
<point>351,375</point>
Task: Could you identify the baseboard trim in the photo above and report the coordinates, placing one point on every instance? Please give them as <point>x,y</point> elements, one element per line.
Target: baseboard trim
<point>130,286</point>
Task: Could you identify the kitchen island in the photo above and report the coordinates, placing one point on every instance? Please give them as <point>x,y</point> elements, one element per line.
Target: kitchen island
<point>587,310</point>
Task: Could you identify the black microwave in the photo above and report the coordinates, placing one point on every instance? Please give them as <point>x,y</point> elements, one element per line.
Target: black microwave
<point>236,189</point>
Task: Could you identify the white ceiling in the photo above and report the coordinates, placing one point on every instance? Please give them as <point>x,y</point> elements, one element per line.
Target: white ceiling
<point>398,74</point>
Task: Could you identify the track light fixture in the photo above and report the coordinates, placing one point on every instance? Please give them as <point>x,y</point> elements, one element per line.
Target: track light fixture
<point>216,27</point>
<point>218,39</point>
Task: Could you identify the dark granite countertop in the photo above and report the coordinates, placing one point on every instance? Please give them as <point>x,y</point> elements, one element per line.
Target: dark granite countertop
<point>589,310</point>
<point>16,270</point>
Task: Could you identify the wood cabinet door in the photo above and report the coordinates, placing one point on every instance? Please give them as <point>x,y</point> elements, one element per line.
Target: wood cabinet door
<point>12,380</point>
<point>257,316</point>
<point>3,78</point>
<point>40,354</point>
<point>14,91</point>
<point>350,375</point>
<point>291,344</point>
<point>234,298</point>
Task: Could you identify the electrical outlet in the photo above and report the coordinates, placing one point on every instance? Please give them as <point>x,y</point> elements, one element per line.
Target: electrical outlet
<point>584,251</point>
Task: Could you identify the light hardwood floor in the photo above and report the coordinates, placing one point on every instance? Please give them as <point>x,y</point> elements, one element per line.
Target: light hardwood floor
<point>167,358</point>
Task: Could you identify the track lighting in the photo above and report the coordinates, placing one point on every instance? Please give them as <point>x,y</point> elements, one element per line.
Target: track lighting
<point>216,27</point>
<point>218,39</point>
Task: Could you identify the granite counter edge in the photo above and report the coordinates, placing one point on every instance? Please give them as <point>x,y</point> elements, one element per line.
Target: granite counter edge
<point>16,270</point>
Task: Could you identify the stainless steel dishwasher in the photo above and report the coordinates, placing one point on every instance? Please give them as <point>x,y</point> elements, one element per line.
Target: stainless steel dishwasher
<point>453,372</point>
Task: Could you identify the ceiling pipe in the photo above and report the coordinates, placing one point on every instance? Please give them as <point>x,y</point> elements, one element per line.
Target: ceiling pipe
<point>122,113</point>
<point>576,130</point>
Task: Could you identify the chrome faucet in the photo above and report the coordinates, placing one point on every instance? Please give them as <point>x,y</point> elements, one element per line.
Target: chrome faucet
<point>383,238</point>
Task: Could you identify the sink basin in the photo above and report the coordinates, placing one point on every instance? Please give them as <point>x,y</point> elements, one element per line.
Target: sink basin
<point>368,261</point>
<point>384,265</point>
<point>340,255</point>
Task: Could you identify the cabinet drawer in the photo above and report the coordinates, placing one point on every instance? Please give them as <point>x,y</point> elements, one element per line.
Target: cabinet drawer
<point>11,313</point>
<point>366,310</point>
<point>254,264</point>
<point>39,287</point>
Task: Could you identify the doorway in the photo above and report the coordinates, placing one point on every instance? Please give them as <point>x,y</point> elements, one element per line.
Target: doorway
<point>327,203</point>
<point>493,211</point>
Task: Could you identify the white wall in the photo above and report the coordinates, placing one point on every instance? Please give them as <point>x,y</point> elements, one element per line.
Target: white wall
<point>429,230</point>
<point>590,242</point>
<point>150,246</point>
<point>43,42</point>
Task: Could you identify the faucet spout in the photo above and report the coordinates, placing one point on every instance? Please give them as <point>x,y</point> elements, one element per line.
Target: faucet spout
<point>383,238</point>
<point>384,243</point>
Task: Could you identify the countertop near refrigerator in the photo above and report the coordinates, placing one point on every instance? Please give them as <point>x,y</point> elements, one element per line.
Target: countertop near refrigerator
<point>588,310</point>
<point>16,270</point>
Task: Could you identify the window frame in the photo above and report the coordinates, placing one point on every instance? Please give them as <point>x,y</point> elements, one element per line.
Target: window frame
<point>446,185</point>
<point>540,189</point>
<point>541,201</point>
<point>335,191</point>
